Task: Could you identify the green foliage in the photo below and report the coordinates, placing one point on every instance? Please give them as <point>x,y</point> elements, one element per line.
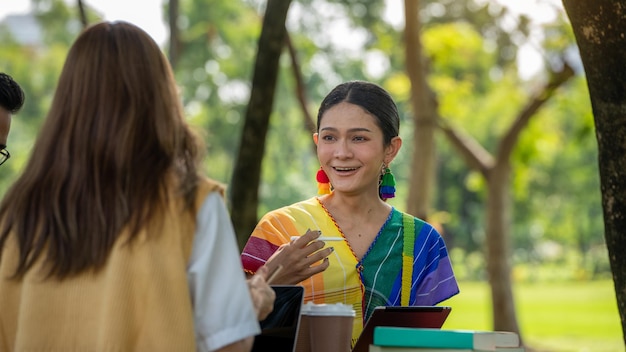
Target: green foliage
<point>478,105</point>
<point>562,178</point>
<point>290,164</point>
<point>36,71</point>
<point>456,52</point>
<point>468,266</point>
<point>60,22</point>
<point>483,106</point>
<point>486,18</point>
<point>470,56</point>
<point>219,45</point>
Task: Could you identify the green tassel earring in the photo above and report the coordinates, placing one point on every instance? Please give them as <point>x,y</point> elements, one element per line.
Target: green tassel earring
<point>387,188</point>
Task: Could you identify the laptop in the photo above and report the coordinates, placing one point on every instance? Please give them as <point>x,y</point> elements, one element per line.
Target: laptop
<point>279,330</point>
<point>408,317</point>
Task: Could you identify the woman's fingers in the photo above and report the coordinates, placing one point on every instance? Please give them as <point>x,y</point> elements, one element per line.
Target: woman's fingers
<point>319,255</point>
<point>301,258</point>
<point>263,295</point>
<point>308,237</point>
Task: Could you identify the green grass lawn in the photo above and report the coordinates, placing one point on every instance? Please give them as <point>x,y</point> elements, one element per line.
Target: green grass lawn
<point>554,316</point>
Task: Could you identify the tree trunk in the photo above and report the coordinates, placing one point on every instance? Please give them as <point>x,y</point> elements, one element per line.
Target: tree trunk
<point>244,197</point>
<point>498,247</point>
<point>497,172</point>
<point>599,27</point>
<point>83,14</point>
<point>175,45</point>
<point>421,181</point>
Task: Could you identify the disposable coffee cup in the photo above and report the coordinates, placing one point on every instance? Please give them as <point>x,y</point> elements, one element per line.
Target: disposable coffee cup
<point>329,327</point>
<point>303,342</point>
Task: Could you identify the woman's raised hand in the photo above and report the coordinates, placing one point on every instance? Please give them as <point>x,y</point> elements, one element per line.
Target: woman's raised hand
<point>300,259</point>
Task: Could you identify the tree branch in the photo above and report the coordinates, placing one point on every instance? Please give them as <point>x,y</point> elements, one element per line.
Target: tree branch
<point>309,124</point>
<point>476,157</point>
<point>557,78</point>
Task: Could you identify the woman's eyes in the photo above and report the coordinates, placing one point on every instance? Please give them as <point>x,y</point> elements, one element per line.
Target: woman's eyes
<point>354,138</point>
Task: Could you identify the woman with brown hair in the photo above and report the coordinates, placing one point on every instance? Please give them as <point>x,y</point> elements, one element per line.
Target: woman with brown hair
<point>111,239</point>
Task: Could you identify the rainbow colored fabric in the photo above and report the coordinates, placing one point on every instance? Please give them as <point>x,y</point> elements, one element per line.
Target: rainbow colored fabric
<point>376,279</point>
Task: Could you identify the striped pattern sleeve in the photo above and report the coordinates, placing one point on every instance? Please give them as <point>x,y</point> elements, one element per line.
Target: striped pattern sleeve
<point>433,277</point>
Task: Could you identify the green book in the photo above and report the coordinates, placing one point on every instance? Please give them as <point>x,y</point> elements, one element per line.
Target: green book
<point>437,338</point>
<point>374,348</point>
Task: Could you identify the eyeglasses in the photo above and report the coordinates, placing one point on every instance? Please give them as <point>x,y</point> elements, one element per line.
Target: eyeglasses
<point>4,154</point>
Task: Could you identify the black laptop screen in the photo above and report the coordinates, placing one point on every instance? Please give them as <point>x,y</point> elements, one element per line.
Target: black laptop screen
<point>280,329</point>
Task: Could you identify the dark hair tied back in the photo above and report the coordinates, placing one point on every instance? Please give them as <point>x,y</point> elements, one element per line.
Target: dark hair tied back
<point>372,98</point>
<point>11,94</point>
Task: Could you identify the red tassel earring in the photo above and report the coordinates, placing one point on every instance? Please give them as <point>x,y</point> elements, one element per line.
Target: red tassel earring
<point>323,183</point>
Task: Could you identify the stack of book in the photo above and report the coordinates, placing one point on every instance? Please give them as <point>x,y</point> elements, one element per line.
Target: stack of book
<point>397,339</point>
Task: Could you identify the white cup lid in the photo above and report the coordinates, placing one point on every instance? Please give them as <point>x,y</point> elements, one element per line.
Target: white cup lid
<point>335,309</point>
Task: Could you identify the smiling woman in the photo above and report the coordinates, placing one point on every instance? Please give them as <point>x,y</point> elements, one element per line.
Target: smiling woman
<point>385,257</point>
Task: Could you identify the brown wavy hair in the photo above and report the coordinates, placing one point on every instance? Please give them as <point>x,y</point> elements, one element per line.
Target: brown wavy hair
<point>114,145</point>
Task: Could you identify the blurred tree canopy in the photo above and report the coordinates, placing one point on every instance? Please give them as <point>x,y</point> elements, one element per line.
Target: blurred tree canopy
<point>471,49</point>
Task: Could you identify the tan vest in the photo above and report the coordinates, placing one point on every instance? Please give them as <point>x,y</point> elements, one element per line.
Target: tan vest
<point>139,301</point>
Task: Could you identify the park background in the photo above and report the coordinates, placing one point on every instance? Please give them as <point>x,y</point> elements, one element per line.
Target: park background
<point>485,61</point>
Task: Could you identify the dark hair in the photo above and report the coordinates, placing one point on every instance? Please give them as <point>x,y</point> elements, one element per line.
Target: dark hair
<point>11,94</point>
<point>369,96</point>
<point>113,149</point>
